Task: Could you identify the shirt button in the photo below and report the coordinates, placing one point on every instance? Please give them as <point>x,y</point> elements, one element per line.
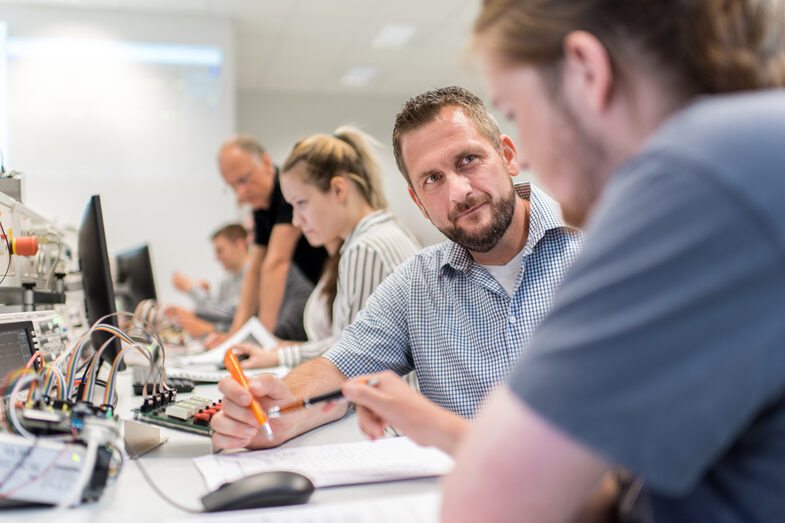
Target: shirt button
<point>512,319</point>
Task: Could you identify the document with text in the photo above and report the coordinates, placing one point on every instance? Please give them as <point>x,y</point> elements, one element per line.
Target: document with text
<point>329,465</point>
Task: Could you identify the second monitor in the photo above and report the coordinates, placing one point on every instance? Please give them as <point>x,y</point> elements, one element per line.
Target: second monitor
<point>134,277</point>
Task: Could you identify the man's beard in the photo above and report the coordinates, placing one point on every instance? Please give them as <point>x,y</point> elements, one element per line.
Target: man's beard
<point>486,239</point>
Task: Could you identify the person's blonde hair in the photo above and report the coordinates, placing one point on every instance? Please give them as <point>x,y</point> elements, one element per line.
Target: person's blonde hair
<point>347,152</point>
<point>706,46</point>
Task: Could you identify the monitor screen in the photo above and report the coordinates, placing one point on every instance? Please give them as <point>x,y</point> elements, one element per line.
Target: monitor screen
<point>97,277</point>
<point>16,346</point>
<point>134,277</point>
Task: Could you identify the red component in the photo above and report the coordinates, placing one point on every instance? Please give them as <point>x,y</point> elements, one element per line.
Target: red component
<point>24,246</point>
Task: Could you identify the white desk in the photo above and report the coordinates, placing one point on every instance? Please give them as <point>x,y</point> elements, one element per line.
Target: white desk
<point>131,499</point>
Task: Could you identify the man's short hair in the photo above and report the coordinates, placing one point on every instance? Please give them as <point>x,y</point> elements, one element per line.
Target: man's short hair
<point>423,109</point>
<point>233,232</point>
<point>247,143</point>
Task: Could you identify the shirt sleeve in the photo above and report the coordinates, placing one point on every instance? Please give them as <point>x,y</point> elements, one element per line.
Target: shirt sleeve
<point>660,347</point>
<point>378,337</point>
<point>209,308</point>
<point>293,355</point>
<point>360,271</point>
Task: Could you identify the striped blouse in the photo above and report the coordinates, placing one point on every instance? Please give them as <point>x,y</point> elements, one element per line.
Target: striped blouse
<point>376,246</point>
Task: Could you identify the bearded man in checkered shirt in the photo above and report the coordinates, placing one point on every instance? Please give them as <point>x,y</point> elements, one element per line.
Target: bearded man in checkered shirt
<point>457,314</point>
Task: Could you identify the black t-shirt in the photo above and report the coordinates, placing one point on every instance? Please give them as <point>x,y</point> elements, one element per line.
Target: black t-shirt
<point>310,260</point>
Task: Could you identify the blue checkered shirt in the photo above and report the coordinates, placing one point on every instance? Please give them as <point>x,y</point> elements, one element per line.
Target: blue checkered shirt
<point>445,317</point>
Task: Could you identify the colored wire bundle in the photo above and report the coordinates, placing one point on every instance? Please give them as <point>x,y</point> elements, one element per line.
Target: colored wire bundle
<point>71,379</point>
<point>60,380</point>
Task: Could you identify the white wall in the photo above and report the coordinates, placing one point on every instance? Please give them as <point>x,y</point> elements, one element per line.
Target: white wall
<point>143,135</point>
<point>279,119</point>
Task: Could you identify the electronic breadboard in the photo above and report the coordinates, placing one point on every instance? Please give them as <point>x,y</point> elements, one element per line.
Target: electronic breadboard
<point>41,472</point>
<point>189,415</point>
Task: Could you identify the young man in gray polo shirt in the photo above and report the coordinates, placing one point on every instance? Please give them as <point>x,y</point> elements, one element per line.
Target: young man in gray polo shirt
<point>665,348</point>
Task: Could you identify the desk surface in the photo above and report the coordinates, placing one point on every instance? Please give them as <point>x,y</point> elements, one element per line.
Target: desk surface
<point>131,499</point>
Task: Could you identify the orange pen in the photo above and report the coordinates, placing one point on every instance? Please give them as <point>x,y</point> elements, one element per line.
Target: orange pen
<point>233,366</point>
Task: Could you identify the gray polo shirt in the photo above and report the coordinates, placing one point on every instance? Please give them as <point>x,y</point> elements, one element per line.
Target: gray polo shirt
<point>665,348</point>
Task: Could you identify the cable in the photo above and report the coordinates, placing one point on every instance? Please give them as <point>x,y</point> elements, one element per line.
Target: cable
<point>8,246</point>
<point>12,410</point>
<point>160,492</point>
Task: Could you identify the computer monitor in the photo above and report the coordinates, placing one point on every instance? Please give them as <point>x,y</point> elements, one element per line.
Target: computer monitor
<point>134,277</point>
<point>16,346</point>
<point>97,277</point>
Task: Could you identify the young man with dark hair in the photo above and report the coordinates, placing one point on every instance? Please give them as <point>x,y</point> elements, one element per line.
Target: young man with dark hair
<point>213,312</point>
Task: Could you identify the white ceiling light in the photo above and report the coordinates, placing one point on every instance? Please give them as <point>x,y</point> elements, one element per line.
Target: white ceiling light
<point>394,35</point>
<point>112,51</point>
<point>358,76</point>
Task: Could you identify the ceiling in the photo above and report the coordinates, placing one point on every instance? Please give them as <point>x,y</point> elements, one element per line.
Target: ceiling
<point>309,45</point>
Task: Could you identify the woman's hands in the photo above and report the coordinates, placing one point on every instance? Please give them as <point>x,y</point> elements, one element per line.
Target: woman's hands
<point>257,356</point>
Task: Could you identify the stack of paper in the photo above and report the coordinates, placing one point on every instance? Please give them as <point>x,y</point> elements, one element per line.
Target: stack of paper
<point>329,465</point>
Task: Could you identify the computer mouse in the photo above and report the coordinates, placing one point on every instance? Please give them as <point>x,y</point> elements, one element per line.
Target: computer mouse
<point>266,489</point>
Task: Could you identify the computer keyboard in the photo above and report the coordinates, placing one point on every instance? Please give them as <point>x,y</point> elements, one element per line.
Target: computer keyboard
<point>201,375</point>
<point>140,374</point>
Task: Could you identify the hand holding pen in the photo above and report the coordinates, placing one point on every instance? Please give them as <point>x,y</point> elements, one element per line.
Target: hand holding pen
<point>393,402</point>
<point>233,366</point>
<point>236,425</point>
<point>289,408</point>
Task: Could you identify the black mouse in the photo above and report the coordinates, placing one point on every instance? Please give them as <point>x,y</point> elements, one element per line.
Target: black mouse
<point>266,489</point>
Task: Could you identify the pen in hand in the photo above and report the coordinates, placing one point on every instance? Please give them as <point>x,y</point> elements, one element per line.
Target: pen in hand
<point>336,395</point>
<point>233,366</point>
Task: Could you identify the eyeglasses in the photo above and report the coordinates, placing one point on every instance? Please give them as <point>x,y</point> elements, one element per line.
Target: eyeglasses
<point>243,180</point>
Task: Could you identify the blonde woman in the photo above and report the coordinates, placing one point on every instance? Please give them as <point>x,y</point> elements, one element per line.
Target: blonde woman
<point>333,183</point>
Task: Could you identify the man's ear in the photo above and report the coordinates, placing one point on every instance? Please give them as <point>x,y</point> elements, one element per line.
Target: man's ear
<point>588,70</point>
<point>418,203</point>
<point>510,154</point>
<point>267,163</point>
